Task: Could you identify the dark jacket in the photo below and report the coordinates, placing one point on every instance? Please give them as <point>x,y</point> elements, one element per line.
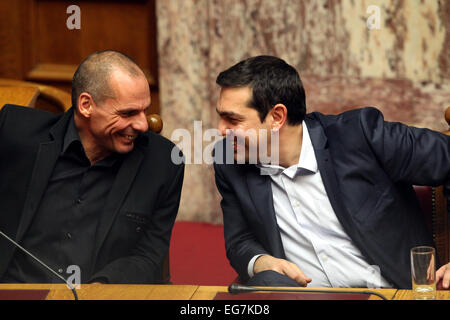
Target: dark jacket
<point>135,225</point>
<point>368,167</point>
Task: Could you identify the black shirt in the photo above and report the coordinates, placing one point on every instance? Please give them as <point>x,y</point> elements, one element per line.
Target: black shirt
<point>63,230</point>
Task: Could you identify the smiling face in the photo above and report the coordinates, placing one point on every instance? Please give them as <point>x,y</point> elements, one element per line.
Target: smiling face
<point>114,124</point>
<point>241,122</point>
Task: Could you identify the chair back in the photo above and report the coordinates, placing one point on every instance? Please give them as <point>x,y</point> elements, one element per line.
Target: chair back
<point>48,98</point>
<point>437,212</point>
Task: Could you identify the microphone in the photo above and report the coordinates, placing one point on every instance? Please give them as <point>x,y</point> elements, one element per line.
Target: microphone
<point>235,288</point>
<point>42,263</point>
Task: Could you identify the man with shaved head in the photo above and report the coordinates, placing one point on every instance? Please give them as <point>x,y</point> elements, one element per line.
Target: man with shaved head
<point>91,187</point>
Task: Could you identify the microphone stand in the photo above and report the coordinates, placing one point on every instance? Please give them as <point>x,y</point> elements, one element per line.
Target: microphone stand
<point>237,288</point>
<point>42,263</point>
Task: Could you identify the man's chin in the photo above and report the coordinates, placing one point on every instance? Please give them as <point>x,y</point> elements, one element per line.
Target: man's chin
<point>241,156</point>
<point>124,148</point>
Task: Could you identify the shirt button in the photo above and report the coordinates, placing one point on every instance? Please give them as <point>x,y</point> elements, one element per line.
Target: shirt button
<point>69,235</point>
<point>60,270</point>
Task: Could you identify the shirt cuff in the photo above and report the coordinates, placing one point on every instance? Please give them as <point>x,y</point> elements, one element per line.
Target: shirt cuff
<point>251,264</point>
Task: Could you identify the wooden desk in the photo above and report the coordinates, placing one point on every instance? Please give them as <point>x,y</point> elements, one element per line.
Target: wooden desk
<point>209,292</point>
<point>407,295</point>
<point>24,96</point>
<point>112,291</point>
<point>171,292</point>
<point>144,292</point>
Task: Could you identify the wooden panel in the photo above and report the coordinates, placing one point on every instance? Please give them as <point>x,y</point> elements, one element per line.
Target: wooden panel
<point>39,46</point>
<point>53,41</point>
<point>109,27</point>
<point>52,72</point>
<point>127,26</point>
<point>11,31</point>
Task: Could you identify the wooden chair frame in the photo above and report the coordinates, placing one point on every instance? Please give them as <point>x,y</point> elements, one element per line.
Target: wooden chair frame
<point>441,215</point>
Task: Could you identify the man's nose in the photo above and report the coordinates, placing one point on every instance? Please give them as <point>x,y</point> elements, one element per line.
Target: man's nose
<point>222,127</point>
<point>140,124</point>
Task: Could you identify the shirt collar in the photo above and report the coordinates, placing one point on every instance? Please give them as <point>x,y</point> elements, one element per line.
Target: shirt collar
<point>307,163</point>
<point>71,135</point>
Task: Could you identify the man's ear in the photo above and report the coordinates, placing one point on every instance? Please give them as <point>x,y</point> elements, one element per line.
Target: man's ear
<point>85,103</point>
<point>278,116</point>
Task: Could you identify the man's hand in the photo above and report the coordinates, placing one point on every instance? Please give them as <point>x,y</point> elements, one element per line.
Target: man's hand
<point>282,266</point>
<point>444,274</point>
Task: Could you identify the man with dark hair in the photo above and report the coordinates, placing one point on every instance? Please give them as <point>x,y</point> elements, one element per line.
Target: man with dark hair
<point>334,207</point>
<point>272,80</point>
<point>91,187</point>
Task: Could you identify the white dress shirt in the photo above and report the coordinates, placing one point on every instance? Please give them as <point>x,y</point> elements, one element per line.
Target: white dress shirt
<point>312,236</point>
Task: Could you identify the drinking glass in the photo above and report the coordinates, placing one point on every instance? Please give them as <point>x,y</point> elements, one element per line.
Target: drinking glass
<point>423,273</point>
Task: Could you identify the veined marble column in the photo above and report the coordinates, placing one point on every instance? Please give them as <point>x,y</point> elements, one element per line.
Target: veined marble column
<point>402,67</point>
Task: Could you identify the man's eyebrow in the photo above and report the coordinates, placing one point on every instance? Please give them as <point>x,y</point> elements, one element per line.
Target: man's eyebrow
<point>135,109</point>
<point>229,114</point>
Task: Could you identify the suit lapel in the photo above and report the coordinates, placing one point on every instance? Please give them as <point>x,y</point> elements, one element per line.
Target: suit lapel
<point>260,190</point>
<point>46,158</point>
<point>116,196</point>
<point>327,172</point>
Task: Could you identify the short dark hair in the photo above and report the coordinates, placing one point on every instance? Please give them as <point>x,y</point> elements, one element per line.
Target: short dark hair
<point>272,81</point>
<point>92,75</point>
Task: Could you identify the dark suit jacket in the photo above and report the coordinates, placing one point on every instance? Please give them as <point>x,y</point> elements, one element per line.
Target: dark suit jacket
<point>134,229</point>
<point>368,167</point>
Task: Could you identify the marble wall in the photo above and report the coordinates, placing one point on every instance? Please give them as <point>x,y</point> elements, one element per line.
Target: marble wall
<point>402,67</point>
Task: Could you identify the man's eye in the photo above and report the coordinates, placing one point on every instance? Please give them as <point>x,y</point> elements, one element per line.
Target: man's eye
<point>128,114</point>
